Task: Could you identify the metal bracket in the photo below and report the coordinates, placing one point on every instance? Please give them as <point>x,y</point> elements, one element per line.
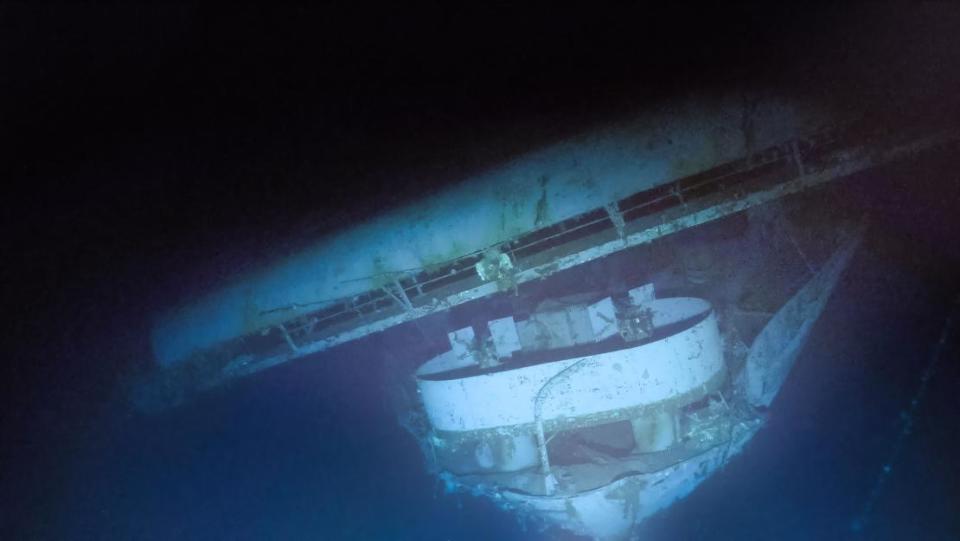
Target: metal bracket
<point>398,294</point>
<point>616,217</point>
<point>288,338</point>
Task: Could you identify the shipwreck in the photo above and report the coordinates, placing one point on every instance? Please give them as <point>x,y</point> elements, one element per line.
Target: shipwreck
<point>594,407</point>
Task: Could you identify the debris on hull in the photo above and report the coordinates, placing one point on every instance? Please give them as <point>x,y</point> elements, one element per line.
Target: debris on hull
<point>520,222</point>
<point>592,414</point>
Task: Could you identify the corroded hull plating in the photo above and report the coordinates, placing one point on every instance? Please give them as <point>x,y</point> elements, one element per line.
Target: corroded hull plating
<point>606,497</point>
<point>611,511</point>
<point>532,192</point>
<point>537,215</point>
<point>687,362</point>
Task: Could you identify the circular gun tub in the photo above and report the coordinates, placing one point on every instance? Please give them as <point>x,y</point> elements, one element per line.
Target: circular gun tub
<point>490,414</point>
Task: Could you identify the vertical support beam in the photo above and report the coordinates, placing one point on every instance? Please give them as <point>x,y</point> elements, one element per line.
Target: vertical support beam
<point>399,295</point>
<point>676,192</point>
<point>288,338</point>
<point>549,481</point>
<point>797,157</point>
<point>616,217</point>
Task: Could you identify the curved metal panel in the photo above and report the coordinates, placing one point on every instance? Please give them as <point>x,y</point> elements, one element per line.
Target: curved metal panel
<point>633,377</point>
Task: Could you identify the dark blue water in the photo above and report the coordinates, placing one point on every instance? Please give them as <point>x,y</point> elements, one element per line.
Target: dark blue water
<point>149,141</point>
<point>313,450</point>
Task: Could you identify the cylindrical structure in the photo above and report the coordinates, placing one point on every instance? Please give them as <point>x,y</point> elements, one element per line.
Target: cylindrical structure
<point>681,362</point>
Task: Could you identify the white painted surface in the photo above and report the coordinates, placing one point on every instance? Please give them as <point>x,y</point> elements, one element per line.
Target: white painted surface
<point>506,453</point>
<point>603,319</point>
<point>775,349</point>
<point>642,295</point>
<point>631,377</point>
<point>445,362</point>
<point>565,325</point>
<point>462,343</point>
<point>609,512</point>
<point>506,341</point>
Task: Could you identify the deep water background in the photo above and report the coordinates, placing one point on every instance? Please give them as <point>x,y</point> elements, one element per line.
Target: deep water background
<point>152,153</point>
<point>313,450</point>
